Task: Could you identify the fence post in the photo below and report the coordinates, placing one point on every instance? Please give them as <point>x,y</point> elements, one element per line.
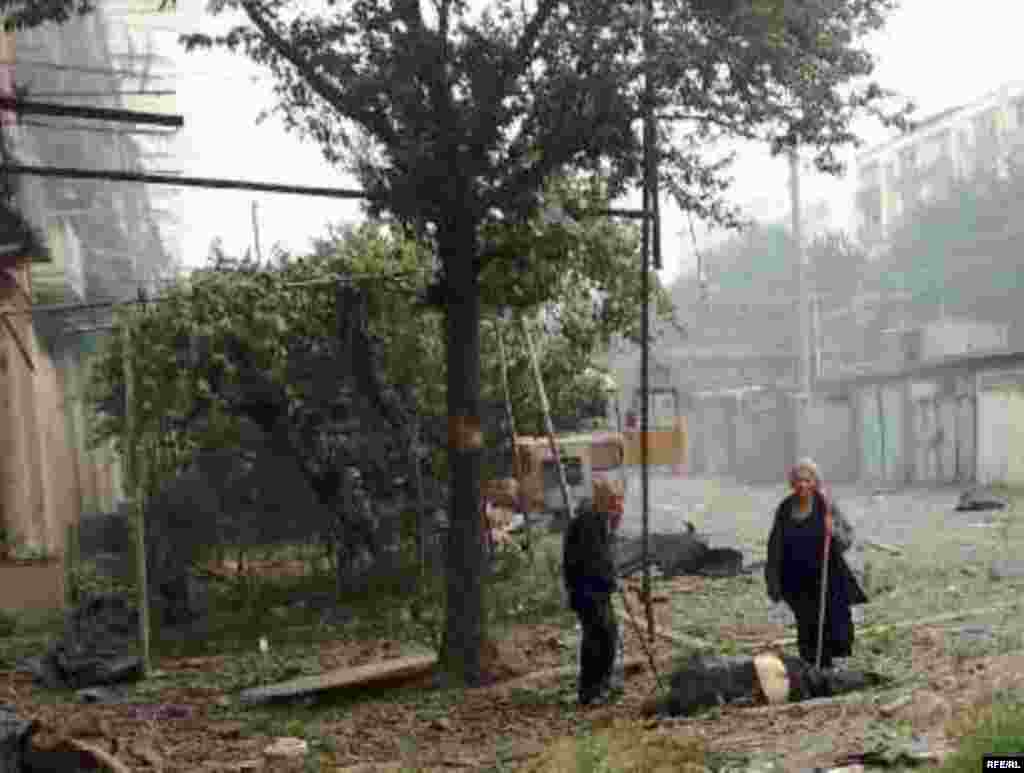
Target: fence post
<point>71,562</point>
<point>134,479</point>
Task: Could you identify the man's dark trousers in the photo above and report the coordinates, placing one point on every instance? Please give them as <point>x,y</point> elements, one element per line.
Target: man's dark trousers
<point>600,636</point>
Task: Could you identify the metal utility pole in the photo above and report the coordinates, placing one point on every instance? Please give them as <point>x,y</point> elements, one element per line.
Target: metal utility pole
<point>803,294</point>
<point>650,238</point>
<point>256,232</point>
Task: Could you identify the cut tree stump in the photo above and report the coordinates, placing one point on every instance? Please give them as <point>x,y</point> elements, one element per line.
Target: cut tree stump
<point>378,674</point>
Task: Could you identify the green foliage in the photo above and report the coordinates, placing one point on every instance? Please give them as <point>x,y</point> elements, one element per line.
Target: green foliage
<point>26,14</point>
<point>86,579</point>
<point>8,623</point>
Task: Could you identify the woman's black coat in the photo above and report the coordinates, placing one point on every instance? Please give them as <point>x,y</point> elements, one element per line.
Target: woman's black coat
<point>795,552</point>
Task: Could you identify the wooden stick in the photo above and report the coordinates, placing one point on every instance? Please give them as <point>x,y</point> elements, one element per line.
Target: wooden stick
<point>113,764</point>
<point>823,600</point>
<point>676,638</point>
<point>545,408</point>
<point>883,547</point>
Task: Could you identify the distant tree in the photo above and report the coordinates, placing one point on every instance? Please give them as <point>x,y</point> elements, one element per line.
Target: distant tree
<point>461,119</point>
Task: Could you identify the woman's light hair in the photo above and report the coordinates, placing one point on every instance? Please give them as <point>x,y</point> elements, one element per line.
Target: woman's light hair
<point>804,465</point>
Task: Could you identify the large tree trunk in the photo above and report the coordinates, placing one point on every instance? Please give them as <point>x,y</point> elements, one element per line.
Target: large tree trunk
<point>464,623</point>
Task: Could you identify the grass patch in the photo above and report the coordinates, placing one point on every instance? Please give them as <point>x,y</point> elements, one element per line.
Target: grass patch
<point>27,634</point>
<point>997,728</point>
<point>623,747</point>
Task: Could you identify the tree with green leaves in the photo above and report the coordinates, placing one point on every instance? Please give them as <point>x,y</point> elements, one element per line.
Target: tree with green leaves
<point>242,352</point>
<point>455,120</point>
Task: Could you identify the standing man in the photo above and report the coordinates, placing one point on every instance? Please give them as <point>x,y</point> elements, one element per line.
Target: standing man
<point>589,570</point>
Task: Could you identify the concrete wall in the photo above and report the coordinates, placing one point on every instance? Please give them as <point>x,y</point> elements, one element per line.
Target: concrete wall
<point>831,437</point>
<point>26,512</point>
<point>1000,427</point>
<point>47,475</point>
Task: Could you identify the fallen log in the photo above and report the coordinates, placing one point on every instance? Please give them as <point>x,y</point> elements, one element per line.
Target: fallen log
<point>371,674</point>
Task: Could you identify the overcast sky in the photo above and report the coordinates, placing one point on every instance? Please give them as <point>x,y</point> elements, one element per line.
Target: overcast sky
<point>940,53</point>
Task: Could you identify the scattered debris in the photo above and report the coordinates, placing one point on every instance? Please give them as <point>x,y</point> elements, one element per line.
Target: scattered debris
<point>163,712</point>
<point>1006,570</point>
<point>678,554</point>
<point>286,754</point>
<point>100,695</point>
<point>93,650</point>
<point>980,499</point>
<point>892,753</point>
<point>68,755</point>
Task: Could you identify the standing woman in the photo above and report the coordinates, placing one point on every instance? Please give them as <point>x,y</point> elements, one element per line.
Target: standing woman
<point>793,572</point>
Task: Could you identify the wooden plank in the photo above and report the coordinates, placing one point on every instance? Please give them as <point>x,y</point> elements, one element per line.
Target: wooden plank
<point>359,676</point>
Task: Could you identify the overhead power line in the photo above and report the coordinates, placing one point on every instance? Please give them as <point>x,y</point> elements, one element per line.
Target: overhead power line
<point>172,133</point>
<point>24,106</point>
<point>22,63</point>
<point>112,93</point>
<point>189,182</point>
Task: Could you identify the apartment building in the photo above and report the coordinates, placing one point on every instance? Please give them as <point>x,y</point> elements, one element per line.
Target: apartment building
<point>103,236</point>
<point>923,165</point>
